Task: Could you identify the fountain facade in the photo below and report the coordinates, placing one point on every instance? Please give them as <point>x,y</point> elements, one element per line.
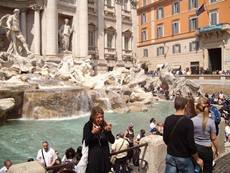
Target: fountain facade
<point>53,82</point>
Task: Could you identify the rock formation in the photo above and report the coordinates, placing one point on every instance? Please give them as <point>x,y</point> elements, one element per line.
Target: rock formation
<point>5,105</point>
<point>59,89</point>
<point>176,84</point>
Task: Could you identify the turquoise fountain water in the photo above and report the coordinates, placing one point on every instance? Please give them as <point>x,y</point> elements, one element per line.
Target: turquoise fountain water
<point>21,139</point>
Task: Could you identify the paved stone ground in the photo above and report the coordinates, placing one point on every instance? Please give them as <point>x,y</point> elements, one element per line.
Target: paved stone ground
<point>223,164</point>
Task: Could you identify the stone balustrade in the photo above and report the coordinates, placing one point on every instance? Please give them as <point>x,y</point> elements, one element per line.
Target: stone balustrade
<point>206,77</point>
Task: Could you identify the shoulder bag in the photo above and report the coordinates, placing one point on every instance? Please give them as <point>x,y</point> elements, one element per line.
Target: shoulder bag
<point>114,157</point>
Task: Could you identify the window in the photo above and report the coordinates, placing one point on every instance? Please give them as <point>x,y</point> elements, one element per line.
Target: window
<point>176,7</point>
<point>175,27</point>
<point>143,35</point>
<point>109,40</point>
<point>213,17</point>
<point>110,68</point>
<point>143,18</point>
<point>195,66</point>
<point>125,5</point>
<point>211,1</point>
<point>127,42</point>
<point>176,48</point>
<point>109,3</point>
<point>144,2</point>
<point>193,46</point>
<point>160,51</point>
<point>193,4</point>
<point>193,24</point>
<point>91,38</point>
<point>160,13</point>
<point>145,52</point>
<point>160,31</point>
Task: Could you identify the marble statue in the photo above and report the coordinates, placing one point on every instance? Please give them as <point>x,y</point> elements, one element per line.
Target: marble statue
<point>13,33</point>
<point>65,32</point>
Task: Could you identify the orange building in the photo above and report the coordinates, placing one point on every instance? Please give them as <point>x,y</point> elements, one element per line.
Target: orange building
<point>193,34</point>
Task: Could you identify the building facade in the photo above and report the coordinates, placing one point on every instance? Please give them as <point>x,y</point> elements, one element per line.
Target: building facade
<point>101,29</point>
<point>173,32</point>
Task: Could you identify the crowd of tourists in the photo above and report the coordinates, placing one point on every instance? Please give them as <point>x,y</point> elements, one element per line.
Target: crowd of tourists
<point>190,135</point>
<point>188,71</point>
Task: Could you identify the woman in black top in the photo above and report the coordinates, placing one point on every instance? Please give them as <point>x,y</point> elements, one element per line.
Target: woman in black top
<point>97,135</point>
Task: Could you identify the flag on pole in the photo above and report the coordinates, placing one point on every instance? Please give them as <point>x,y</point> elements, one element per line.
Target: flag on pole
<point>200,10</point>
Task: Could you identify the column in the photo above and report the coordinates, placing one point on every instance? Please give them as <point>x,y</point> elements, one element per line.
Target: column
<point>123,41</point>
<point>118,30</point>
<point>102,37</point>
<point>51,28</point>
<point>134,30</point>
<point>23,22</point>
<point>81,40</point>
<point>37,29</point>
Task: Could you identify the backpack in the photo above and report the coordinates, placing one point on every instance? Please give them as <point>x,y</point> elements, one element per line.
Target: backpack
<point>215,114</point>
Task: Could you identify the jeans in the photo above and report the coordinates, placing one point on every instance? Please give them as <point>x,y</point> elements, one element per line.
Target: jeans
<point>179,164</point>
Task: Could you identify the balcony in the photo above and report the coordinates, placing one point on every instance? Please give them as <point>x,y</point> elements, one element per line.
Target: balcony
<point>110,54</point>
<point>109,10</point>
<point>93,51</point>
<point>213,28</point>
<point>111,51</point>
<point>92,7</point>
<point>126,14</point>
<point>127,55</point>
<point>127,52</point>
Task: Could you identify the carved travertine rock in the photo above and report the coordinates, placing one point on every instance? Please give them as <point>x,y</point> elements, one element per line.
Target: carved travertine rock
<point>176,84</point>
<point>120,90</point>
<point>6,104</point>
<point>27,167</point>
<point>155,153</point>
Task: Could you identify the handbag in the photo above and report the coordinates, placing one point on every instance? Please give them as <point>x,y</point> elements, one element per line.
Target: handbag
<point>114,157</point>
<point>82,164</point>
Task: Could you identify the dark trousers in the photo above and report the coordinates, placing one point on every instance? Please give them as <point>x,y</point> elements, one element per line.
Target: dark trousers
<point>130,153</point>
<point>217,128</point>
<point>120,165</point>
<point>206,154</point>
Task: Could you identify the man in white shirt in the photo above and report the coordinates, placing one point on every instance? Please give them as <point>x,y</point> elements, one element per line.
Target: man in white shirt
<point>46,155</point>
<point>7,165</point>
<point>120,144</point>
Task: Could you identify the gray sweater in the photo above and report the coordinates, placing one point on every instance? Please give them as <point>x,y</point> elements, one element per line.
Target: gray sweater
<point>202,137</point>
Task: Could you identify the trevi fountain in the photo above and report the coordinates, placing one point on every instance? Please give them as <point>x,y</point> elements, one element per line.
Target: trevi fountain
<point>51,100</point>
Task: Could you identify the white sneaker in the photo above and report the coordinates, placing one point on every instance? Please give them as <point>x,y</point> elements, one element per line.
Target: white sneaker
<point>213,163</point>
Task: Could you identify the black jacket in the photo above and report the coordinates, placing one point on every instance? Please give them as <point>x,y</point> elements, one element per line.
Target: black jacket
<point>98,158</point>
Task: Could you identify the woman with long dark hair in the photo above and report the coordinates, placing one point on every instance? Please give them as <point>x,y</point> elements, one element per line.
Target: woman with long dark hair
<point>190,110</point>
<point>97,135</point>
<point>205,134</point>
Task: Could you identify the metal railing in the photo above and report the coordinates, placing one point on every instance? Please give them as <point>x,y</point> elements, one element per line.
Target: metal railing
<point>141,159</point>
<point>69,166</point>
